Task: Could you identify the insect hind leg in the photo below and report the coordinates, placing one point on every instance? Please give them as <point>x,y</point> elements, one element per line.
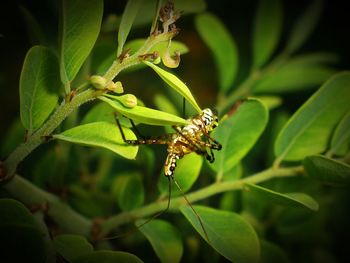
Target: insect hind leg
<point>152,140</point>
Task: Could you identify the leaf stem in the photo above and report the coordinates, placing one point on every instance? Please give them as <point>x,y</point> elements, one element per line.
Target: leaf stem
<point>213,189</point>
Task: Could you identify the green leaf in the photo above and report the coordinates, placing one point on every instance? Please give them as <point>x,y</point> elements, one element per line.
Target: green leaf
<point>271,102</point>
<point>72,246</point>
<point>129,14</point>
<point>99,112</point>
<point>81,24</point>
<point>131,193</point>
<point>309,129</point>
<point>186,174</point>
<point>297,74</point>
<point>341,137</point>
<point>238,134</point>
<point>20,239</point>
<point>104,112</point>
<point>304,25</point>
<point>164,104</point>
<point>228,233</point>
<point>286,199</point>
<point>101,134</point>
<point>222,45</point>
<point>107,256</point>
<point>175,83</point>
<point>300,72</point>
<point>164,238</point>
<point>270,252</point>
<point>38,87</point>
<point>267,30</point>
<point>327,170</point>
<point>145,115</point>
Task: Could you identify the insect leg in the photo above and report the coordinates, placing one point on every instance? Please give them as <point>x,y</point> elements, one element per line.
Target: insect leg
<point>163,139</point>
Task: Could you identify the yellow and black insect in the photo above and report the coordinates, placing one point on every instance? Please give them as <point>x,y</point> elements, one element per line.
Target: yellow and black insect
<point>194,137</point>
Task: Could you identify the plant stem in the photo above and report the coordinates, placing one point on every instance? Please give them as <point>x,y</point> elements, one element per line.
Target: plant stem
<point>67,107</point>
<point>120,64</point>
<point>62,214</point>
<point>203,193</point>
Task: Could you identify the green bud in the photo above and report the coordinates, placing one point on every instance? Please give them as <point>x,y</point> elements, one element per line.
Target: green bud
<point>171,62</point>
<point>128,100</point>
<point>116,87</point>
<point>98,82</point>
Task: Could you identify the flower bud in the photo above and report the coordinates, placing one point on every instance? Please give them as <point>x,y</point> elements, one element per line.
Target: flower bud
<point>169,61</point>
<point>128,100</point>
<point>98,82</point>
<point>116,87</point>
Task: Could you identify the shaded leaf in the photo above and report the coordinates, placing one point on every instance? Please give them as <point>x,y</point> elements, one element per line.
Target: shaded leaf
<point>101,134</point>
<point>286,199</point>
<point>145,115</point>
<point>295,75</point>
<point>13,137</point>
<point>270,252</point>
<point>72,246</point>
<point>267,30</point>
<point>131,193</point>
<point>304,25</point>
<point>81,24</point>
<point>91,203</point>
<point>309,129</point>
<point>186,174</point>
<point>222,45</point>
<point>164,238</point>
<point>327,170</point>
<point>301,71</point>
<point>341,137</point>
<point>229,233</point>
<point>107,256</point>
<point>175,83</point>
<point>38,87</point>
<point>129,14</point>
<point>238,133</point>
<point>20,239</point>
<point>34,30</point>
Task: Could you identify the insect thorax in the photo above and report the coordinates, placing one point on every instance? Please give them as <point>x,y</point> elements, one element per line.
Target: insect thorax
<point>186,140</point>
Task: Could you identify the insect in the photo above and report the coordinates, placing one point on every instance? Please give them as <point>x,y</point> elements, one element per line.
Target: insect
<point>194,137</point>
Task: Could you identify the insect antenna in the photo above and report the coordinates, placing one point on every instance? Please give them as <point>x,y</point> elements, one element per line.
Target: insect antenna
<point>147,221</point>
<point>194,211</point>
<point>183,108</point>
